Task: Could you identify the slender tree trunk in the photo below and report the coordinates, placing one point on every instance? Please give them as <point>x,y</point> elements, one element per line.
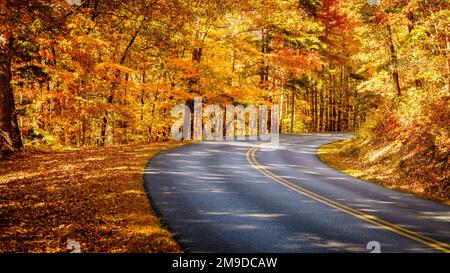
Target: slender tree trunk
<point>307,110</point>
<point>292,111</point>
<point>321,104</point>
<point>355,108</point>
<point>326,105</point>
<point>315,107</point>
<point>333,105</point>
<point>330,104</point>
<point>347,101</point>
<point>341,88</point>
<point>394,60</point>
<point>264,70</point>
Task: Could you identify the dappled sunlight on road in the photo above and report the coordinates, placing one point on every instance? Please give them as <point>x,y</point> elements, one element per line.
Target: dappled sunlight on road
<point>211,190</point>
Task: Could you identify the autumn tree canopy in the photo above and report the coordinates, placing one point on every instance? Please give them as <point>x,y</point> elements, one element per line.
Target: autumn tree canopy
<point>96,72</point>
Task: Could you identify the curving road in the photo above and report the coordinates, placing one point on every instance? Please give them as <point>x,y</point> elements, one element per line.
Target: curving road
<point>236,197</point>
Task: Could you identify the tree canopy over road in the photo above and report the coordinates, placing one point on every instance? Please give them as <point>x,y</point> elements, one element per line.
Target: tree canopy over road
<point>94,72</point>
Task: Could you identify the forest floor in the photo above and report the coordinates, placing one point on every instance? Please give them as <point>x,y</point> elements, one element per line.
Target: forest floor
<point>344,156</point>
<point>93,197</point>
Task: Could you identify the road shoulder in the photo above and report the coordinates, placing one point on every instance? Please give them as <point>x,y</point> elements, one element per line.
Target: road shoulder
<point>337,156</point>
<point>92,197</point>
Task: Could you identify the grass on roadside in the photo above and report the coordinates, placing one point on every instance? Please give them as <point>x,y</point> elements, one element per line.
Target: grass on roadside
<point>94,197</point>
<point>341,156</point>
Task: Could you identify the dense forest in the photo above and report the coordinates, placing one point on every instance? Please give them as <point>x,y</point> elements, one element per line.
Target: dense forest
<point>98,73</point>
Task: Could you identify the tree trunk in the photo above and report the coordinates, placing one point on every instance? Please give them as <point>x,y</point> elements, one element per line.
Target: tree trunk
<point>10,139</point>
<point>326,104</point>
<point>394,60</point>
<point>292,112</point>
<point>339,117</point>
<point>333,105</point>
<point>329,106</point>
<point>321,104</point>
<point>315,107</point>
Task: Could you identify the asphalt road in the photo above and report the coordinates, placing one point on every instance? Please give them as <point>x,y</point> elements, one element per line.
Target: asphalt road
<point>236,197</point>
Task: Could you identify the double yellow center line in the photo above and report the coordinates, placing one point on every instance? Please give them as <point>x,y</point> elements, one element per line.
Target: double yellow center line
<point>343,208</point>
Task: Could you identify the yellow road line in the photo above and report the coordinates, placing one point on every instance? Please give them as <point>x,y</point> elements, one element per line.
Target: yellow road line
<point>343,208</point>
<point>359,212</point>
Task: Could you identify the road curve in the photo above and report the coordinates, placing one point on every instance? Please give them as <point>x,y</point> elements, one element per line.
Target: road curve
<point>235,197</point>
